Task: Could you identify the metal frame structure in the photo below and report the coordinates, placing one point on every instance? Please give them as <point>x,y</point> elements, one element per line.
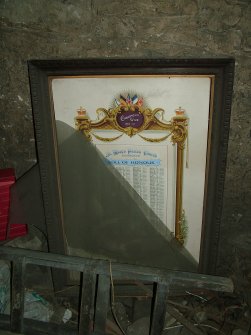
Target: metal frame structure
<point>96,286</point>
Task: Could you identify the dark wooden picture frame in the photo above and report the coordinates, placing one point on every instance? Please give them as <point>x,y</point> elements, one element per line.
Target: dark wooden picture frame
<point>223,72</point>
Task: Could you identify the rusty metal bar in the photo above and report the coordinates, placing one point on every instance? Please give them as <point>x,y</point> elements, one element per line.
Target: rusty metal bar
<point>102,304</point>
<point>119,270</point>
<point>87,303</point>
<point>17,295</point>
<point>159,308</point>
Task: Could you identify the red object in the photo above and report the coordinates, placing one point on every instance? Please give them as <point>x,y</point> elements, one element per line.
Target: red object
<point>7,175</point>
<point>17,230</point>
<point>7,178</point>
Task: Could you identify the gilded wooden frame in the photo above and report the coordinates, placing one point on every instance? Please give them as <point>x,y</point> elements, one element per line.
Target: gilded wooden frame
<point>222,70</point>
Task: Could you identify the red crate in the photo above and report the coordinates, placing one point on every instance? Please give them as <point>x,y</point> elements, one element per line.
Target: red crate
<point>17,230</point>
<point>4,221</point>
<point>3,229</point>
<point>4,189</point>
<point>4,211</point>
<point>7,175</point>
<point>3,234</point>
<point>7,178</point>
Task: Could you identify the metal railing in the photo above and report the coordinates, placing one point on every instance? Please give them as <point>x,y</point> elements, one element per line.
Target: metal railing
<point>96,287</point>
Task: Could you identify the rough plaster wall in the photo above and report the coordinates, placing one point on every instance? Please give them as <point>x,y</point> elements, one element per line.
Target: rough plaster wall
<point>43,29</point>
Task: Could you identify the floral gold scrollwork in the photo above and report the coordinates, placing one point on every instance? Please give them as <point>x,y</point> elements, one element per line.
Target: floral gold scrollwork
<point>176,128</point>
<point>130,117</point>
<point>155,140</point>
<point>106,139</point>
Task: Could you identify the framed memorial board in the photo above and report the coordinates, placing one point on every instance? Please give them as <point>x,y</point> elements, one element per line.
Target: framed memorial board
<point>162,125</point>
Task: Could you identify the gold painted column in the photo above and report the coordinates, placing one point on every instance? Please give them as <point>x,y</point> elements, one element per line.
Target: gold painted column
<point>179,137</point>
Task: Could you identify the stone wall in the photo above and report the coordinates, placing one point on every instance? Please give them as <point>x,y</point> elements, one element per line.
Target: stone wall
<point>43,29</point>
